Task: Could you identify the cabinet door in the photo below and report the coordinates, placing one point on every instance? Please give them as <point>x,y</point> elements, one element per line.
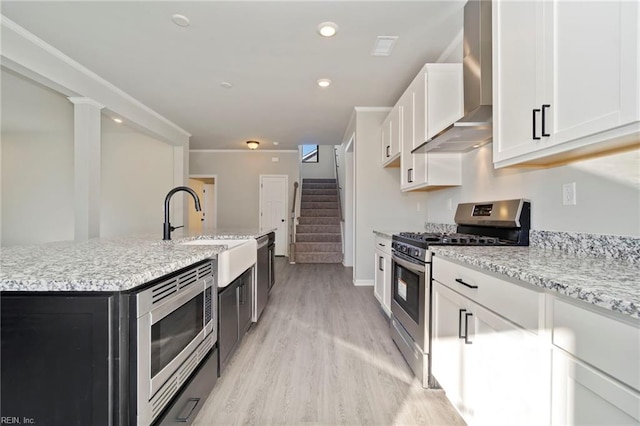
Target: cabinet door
<point>386,286</point>
<point>389,143</point>
<point>505,373</point>
<point>228,335</point>
<point>407,178</point>
<point>447,357</point>
<point>378,277</point>
<point>58,360</point>
<point>245,301</point>
<point>583,395</point>
<point>591,57</point>
<point>385,146</point>
<point>518,86</point>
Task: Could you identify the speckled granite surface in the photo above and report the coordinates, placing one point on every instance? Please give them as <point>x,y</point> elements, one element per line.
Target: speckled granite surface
<point>384,234</point>
<point>116,264</point>
<point>610,283</point>
<point>607,246</point>
<point>440,227</point>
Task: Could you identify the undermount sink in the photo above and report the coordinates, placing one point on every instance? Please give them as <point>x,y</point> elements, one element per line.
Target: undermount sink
<point>240,255</point>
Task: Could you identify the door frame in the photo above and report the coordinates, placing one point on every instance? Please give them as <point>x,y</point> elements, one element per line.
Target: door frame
<point>286,207</point>
<point>215,193</point>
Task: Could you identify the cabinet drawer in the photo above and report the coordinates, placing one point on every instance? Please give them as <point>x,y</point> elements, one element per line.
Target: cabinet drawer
<point>383,244</point>
<point>608,344</point>
<point>513,301</point>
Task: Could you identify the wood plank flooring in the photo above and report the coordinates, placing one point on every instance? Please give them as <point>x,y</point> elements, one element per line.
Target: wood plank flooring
<point>321,354</point>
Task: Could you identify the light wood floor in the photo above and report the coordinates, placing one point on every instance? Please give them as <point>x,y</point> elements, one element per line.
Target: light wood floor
<point>321,354</point>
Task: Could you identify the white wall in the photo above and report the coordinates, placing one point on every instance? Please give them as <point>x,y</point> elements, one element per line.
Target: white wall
<point>607,188</point>
<point>379,203</point>
<point>37,163</point>
<point>324,168</point>
<point>137,172</point>
<point>239,179</point>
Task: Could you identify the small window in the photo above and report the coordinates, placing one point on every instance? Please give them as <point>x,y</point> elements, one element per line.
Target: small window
<point>309,153</point>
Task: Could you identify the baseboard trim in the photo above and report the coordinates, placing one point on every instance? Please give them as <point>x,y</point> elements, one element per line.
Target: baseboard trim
<point>363,283</point>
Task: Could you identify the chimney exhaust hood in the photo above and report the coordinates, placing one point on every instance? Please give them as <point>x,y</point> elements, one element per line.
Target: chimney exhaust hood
<point>476,127</point>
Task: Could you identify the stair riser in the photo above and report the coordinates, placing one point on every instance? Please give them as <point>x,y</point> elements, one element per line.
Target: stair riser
<point>318,257</point>
<point>319,199</point>
<point>318,180</point>
<point>306,192</point>
<point>319,212</point>
<point>319,221</point>
<point>318,238</point>
<point>318,247</point>
<point>318,229</point>
<point>318,205</point>
<point>307,186</point>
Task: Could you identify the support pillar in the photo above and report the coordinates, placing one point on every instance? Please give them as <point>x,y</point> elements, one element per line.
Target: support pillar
<point>86,137</point>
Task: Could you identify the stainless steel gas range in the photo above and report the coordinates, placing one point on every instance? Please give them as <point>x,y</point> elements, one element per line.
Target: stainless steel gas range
<point>496,223</point>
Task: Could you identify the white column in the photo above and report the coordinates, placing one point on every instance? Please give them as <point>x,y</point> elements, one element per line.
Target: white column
<point>178,206</point>
<point>86,138</point>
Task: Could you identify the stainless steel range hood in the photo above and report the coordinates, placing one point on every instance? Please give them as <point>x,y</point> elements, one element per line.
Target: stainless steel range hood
<point>476,127</point>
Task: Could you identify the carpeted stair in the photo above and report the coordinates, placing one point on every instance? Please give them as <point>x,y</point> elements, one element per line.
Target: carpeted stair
<point>318,237</point>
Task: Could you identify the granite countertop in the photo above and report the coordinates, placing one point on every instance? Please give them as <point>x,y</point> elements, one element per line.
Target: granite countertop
<point>610,283</point>
<point>107,264</point>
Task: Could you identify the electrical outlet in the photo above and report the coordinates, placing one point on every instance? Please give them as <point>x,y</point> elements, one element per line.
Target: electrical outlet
<point>569,194</point>
<point>449,204</point>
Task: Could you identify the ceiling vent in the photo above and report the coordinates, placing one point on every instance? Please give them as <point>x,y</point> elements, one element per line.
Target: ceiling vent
<point>384,45</point>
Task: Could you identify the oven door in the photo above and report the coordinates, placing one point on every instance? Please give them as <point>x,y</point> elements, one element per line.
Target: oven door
<point>409,296</point>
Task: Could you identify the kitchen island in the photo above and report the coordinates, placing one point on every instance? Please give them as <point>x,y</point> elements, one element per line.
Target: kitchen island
<point>69,326</point>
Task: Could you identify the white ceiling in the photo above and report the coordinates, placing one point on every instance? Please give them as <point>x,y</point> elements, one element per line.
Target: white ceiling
<point>269,50</point>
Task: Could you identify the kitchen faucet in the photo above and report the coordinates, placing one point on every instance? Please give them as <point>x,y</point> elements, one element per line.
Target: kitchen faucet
<point>167,228</point>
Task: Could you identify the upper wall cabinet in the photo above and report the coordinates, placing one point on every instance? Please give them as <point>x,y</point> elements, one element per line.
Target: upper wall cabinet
<point>432,102</point>
<point>565,79</point>
<point>390,134</point>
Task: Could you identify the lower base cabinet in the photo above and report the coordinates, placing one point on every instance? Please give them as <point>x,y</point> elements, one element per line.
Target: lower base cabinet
<point>506,354</point>
<point>234,315</point>
<point>582,395</point>
<point>58,359</point>
<point>382,276</point>
<point>490,369</point>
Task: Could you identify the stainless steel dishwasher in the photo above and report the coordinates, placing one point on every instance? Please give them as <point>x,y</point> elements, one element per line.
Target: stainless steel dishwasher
<point>262,276</point>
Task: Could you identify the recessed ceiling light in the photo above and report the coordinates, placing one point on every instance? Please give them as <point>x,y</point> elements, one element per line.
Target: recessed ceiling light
<point>324,82</point>
<point>276,143</point>
<point>118,120</point>
<point>226,85</point>
<point>328,29</point>
<point>180,20</point>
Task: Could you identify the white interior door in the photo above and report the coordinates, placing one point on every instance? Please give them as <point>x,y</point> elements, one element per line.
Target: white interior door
<point>273,209</point>
<point>209,207</point>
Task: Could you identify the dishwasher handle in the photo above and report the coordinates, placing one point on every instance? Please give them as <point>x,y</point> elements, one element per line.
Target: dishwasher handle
<point>263,241</point>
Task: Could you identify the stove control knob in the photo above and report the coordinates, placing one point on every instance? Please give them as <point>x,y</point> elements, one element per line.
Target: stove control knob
<point>416,252</point>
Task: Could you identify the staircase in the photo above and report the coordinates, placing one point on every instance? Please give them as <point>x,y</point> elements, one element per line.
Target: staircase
<point>318,237</point>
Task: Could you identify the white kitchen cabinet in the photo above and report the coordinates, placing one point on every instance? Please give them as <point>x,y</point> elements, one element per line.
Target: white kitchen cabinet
<point>432,102</point>
<point>566,79</point>
<point>382,277</point>
<point>583,395</point>
<point>481,358</point>
<point>390,139</point>
<point>596,372</point>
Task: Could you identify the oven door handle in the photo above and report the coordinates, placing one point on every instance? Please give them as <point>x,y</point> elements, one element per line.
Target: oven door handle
<point>409,265</point>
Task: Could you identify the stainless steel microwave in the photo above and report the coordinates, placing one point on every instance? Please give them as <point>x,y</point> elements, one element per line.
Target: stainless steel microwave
<point>176,327</point>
